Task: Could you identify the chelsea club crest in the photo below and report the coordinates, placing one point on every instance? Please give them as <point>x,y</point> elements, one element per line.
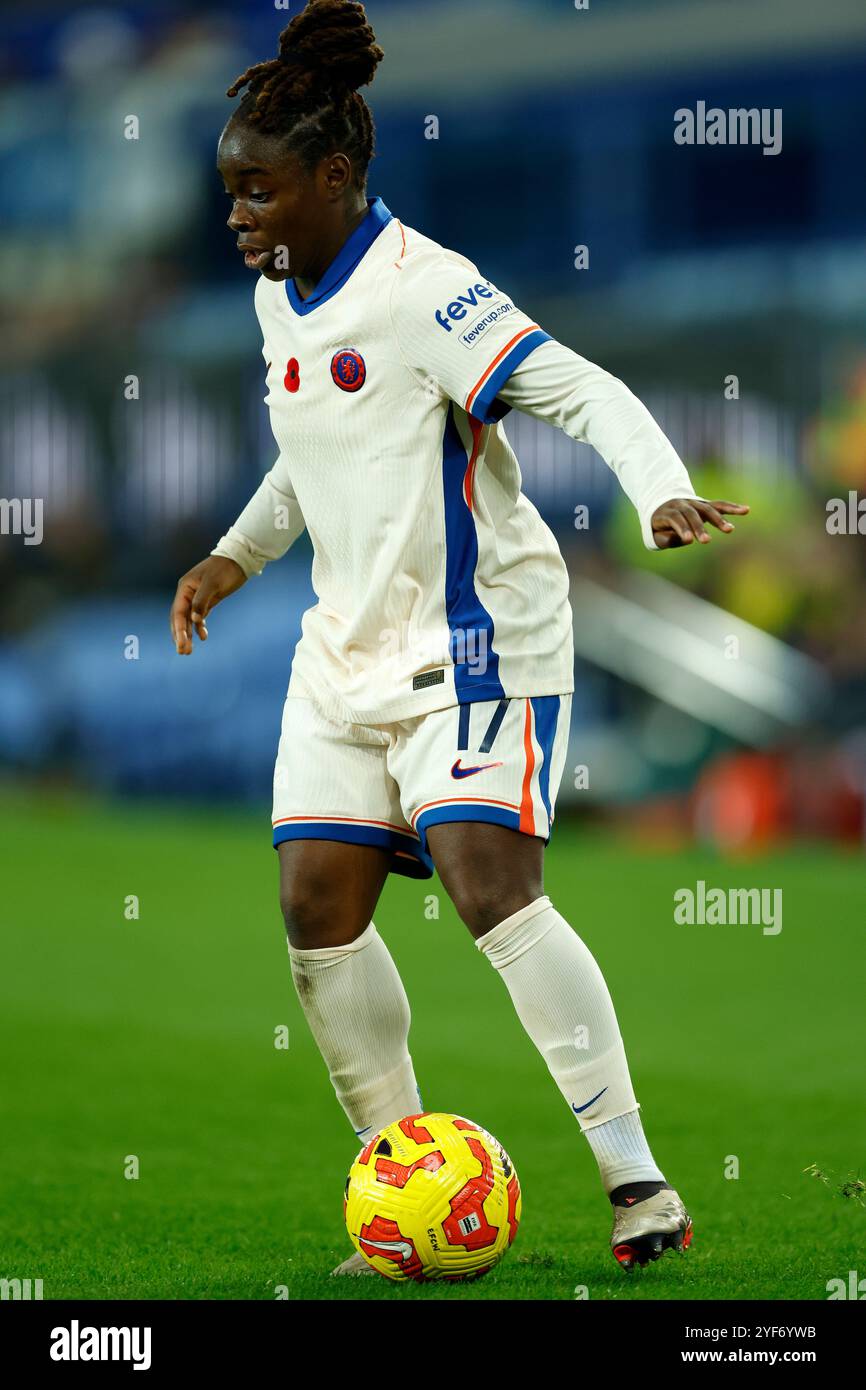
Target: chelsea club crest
<point>348,369</point>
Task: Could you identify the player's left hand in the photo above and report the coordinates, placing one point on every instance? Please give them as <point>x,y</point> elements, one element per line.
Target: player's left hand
<point>681,521</point>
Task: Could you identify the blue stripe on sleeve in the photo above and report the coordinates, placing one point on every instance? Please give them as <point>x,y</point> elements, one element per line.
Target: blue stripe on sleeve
<point>485,406</point>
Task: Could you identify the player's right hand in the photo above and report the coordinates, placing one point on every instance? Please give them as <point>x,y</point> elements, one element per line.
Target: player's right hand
<point>200,590</point>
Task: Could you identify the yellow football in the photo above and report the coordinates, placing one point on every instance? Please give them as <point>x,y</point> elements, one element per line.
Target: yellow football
<point>432,1196</point>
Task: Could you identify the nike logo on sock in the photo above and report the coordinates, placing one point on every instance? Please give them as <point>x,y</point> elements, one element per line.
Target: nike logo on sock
<point>578,1109</point>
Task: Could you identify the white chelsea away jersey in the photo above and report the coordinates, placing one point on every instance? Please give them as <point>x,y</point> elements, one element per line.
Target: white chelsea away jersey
<point>437,581</point>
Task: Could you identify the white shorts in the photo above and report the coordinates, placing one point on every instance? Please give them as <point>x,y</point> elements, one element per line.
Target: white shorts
<point>498,761</point>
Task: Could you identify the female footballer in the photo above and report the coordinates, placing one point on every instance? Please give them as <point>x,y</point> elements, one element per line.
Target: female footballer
<point>427,715</point>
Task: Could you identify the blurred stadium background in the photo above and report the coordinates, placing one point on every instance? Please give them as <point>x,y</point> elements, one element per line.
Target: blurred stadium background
<point>719,695</point>
<point>720,706</point>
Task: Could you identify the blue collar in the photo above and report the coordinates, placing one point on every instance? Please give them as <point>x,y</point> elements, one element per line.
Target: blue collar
<point>347,258</point>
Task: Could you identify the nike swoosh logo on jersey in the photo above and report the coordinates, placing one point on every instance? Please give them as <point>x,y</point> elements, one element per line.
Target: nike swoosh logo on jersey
<point>578,1109</point>
<point>458,771</point>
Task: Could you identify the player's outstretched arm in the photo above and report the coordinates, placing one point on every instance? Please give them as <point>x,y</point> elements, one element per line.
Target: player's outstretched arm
<point>531,371</point>
<point>198,591</point>
<point>556,385</point>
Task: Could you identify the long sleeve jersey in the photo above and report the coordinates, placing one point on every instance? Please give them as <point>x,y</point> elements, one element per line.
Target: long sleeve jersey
<point>437,581</point>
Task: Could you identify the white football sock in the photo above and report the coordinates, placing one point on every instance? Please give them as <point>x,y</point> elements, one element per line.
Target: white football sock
<point>622,1152</point>
<point>358,1013</point>
<point>565,1006</point>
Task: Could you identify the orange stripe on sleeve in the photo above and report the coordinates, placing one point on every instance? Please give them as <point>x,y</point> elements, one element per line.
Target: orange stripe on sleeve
<point>533,328</point>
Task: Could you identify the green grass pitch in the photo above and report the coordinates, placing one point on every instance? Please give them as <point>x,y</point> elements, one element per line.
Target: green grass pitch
<point>155,1038</point>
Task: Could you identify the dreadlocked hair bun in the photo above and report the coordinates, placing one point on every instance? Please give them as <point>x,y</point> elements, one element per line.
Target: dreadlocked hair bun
<point>333,35</point>
<point>309,92</point>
